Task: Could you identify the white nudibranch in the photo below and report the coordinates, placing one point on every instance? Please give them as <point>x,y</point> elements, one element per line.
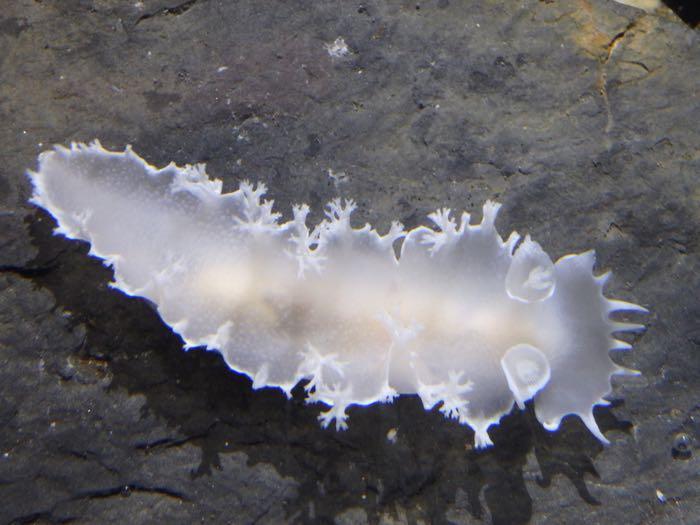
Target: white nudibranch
<point>467,321</point>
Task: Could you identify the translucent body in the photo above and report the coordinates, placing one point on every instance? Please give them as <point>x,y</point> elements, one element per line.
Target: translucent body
<point>469,322</point>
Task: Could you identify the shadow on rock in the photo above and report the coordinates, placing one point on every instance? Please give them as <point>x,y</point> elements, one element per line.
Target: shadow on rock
<point>393,458</point>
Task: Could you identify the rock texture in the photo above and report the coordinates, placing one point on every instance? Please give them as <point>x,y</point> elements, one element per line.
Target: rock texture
<point>579,115</point>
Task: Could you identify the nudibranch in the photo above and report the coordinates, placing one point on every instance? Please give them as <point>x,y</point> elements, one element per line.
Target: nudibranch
<point>469,322</point>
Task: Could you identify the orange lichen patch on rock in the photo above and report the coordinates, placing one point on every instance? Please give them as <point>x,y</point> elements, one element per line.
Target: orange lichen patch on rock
<point>646,5</point>
<point>595,28</point>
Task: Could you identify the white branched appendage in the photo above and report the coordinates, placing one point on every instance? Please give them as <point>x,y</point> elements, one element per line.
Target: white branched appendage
<point>450,395</point>
<point>339,211</point>
<point>447,229</point>
<point>304,242</point>
<point>258,216</point>
<point>193,179</point>
<point>471,323</point>
<point>317,367</point>
<point>336,397</point>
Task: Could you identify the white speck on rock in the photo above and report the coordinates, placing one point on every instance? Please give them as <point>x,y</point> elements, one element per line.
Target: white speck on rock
<point>338,48</point>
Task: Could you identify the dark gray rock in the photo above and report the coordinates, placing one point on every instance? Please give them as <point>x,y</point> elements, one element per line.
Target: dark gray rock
<point>580,116</point>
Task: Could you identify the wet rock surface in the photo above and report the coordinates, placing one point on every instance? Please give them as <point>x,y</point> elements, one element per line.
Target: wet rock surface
<point>580,116</point>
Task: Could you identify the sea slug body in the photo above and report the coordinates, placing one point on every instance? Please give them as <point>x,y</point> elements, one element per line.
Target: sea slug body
<point>467,321</point>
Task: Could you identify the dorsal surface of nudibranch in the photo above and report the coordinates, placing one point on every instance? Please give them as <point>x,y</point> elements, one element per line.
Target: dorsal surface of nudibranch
<point>467,321</point>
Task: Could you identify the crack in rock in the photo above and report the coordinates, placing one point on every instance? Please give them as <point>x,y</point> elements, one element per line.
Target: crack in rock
<point>176,10</point>
<point>603,74</point>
